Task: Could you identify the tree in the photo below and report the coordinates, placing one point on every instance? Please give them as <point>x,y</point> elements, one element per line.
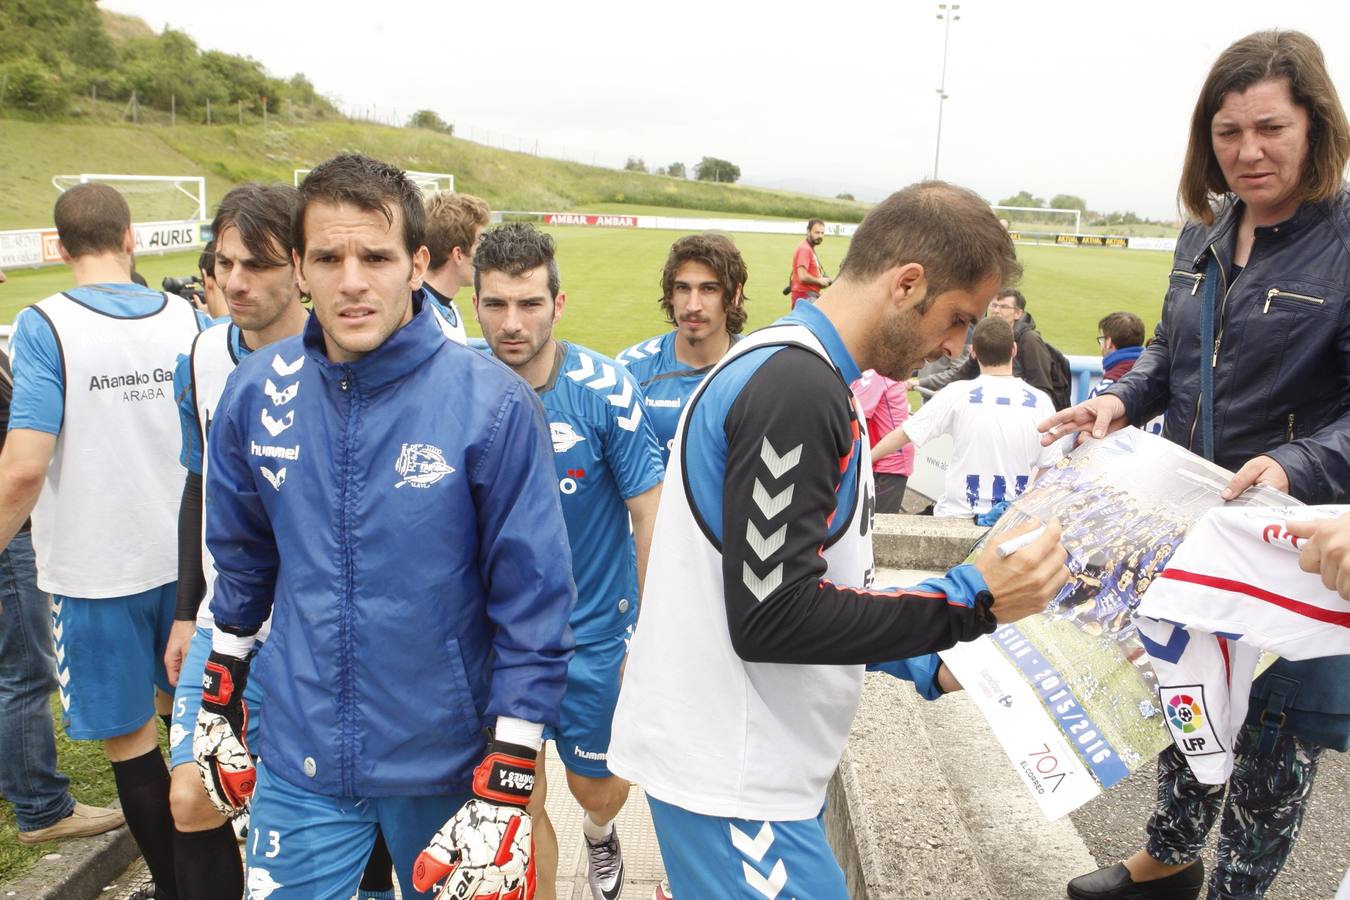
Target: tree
<point>1022,198</point>
<point>28,85</point>
<point>635,164</point>
<point>1068,201</point>
<point>710,168</point>
<point>844,195</point>
<point>676,170</point>
<point>431,121</point>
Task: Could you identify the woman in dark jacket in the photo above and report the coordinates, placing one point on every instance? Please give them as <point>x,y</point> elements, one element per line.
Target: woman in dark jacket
<point>1250,362</point>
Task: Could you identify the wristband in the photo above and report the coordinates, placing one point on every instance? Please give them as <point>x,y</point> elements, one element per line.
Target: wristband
<point>506,774</point>
<point>223,681</point>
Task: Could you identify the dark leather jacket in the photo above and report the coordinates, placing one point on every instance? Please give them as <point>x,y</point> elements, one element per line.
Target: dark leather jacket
<point>1281,388</point>
<point>1282,371</point>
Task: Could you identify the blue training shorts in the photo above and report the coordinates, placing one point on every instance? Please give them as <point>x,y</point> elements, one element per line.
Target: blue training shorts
<point>187,701</point>
<point>303,845</point>
<point>739,859</point>
<point>110,659</point>
<point>588,705</point>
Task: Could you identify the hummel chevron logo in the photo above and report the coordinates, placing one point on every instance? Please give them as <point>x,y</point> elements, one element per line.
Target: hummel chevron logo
<point>63,677</point>
<point>283,368</point>
<point>771,506</point>
<point>630,423</point>
<point>586,371</point>
<point>762,587</point>
<point>779,465</point>
<point>770,886</point>
<point>65,701</point>
<point>653,345</point>
<point>58,630</point>
<point>764,547</point>
<point>283,396</point>
<point>275,479</point>
<point>60,655</point>
<point>624,397</point>
<point>756,847</point>
<point>277,426</point>
<point>607,378</point>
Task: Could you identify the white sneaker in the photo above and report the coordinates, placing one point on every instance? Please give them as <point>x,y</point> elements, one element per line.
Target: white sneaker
<point>604,867</point>
<point>662,891</point>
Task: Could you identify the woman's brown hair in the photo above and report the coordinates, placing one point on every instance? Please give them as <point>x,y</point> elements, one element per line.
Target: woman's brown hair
<point>1268,56</point>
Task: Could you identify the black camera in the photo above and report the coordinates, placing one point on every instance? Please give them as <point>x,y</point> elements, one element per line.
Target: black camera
<point>189,288</point>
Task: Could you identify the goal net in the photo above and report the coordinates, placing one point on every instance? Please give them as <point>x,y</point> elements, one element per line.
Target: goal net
<point>427,182</point>
<point>152,198</point>
<point>1040,220</point>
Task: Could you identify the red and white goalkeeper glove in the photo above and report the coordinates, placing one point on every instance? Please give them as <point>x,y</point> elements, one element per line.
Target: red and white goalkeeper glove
<point>486,850</point>
<point>218,741</point>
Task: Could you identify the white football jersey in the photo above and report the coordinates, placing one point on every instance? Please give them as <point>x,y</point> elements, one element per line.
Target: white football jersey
<point>1233,589</point>
<point>992,420</point>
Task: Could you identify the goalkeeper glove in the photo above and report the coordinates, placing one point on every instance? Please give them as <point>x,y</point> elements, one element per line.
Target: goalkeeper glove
<point>218,741</point>
<point>486,849</point>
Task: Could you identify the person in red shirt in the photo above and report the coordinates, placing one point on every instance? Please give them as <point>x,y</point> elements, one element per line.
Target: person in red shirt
<point>808,278</point>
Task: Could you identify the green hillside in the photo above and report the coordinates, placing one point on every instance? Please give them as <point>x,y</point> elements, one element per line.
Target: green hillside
<point>87,90</point>
<point>230,154</point>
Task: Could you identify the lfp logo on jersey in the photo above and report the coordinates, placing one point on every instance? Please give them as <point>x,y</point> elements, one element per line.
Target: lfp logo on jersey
<point>1185,713</point>
<point>1189,720</point>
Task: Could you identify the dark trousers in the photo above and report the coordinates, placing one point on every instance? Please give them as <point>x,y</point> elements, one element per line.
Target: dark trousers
<point>1267,796</point>
<point>890,491</point>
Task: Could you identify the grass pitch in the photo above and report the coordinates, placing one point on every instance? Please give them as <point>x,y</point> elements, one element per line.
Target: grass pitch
<point>612,281</point>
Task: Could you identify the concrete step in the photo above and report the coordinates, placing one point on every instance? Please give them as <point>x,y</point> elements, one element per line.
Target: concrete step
<point>925,804</point>
<point>922,542</point>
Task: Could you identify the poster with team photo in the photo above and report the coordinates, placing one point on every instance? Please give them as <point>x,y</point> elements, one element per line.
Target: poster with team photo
<point>1070,694</point>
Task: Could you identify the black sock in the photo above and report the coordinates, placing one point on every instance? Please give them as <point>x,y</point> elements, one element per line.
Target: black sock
<point>379,874</point>
<point>207,864</point>
<point>143,788</point>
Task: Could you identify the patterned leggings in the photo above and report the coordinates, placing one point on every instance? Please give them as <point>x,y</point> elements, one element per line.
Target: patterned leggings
<point>1267,795</point>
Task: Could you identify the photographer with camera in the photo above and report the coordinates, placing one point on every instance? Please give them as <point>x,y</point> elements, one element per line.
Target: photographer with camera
<point>202,289</point>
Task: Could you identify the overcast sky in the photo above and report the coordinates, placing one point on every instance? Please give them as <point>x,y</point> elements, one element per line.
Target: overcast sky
<point>1091,99</point>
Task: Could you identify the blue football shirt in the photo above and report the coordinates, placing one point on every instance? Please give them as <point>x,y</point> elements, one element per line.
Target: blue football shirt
<point>667,384</point>
<point>605,452</point>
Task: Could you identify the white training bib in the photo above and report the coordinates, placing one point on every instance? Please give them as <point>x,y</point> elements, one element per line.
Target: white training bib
<point>696,725</point>
<point>105,524</point>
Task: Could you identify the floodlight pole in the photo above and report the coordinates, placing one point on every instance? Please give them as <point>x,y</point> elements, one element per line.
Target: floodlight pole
<point>945,14</point>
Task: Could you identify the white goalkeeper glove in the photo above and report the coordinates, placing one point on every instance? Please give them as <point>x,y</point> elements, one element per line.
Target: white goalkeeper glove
<point>218,740</point>
<point>486,850</point>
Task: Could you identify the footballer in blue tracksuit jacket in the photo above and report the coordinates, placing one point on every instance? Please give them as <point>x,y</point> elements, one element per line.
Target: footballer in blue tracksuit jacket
<point>398,516</point>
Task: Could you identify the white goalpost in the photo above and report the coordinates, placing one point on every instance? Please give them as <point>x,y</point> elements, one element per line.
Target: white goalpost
<point>152,198</point>
<point>427,182</point>
<point>1019,218</point>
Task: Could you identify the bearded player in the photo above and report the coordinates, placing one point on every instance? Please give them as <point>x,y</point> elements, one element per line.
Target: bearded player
<point>758,618</point>
<point>703,296</point>
<point>608,469</point>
